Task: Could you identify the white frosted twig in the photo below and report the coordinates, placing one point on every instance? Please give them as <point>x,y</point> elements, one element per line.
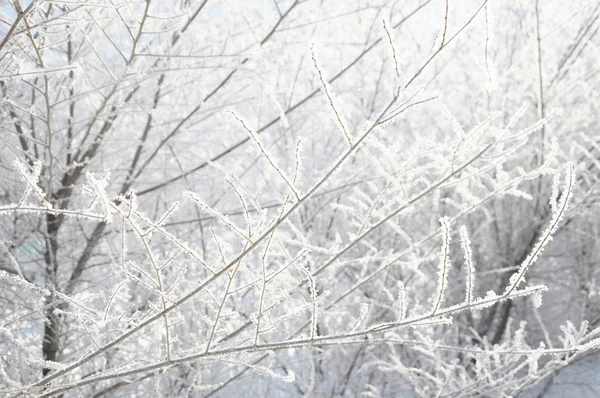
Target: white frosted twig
<point>14,262</point>
<point>244,206</point>
<point>540,322</point>
<point>313,298</point>
<point>321,181</point>
<point>32,180</point>
<point>112,297</point>
<point>219,246</point>
<point>100,188</point>
<point>222,304</point>
<point>263,289</point>
<point>152,287</point>
<point>268,157</point>
<point>444,264</point>
<point>183,245</point>
<point>288,378</point>
<point>470,267</point>
<point>557,216</point>
<point>43,210</point>
<point>170,259</point>
<point>248,199</point>
<point>273,275</point>
<point>219,216</point>
<point>298,166</point>
<point>423,320</point>
<point>84,325</point>
<point>163,219</point>
<point>24,346</point>
<point>531,129</point>
<point>364,311</point>
<point>159,283</point>
<point>328,94</point>
<point>396,68</point>
<point>401,301</point>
